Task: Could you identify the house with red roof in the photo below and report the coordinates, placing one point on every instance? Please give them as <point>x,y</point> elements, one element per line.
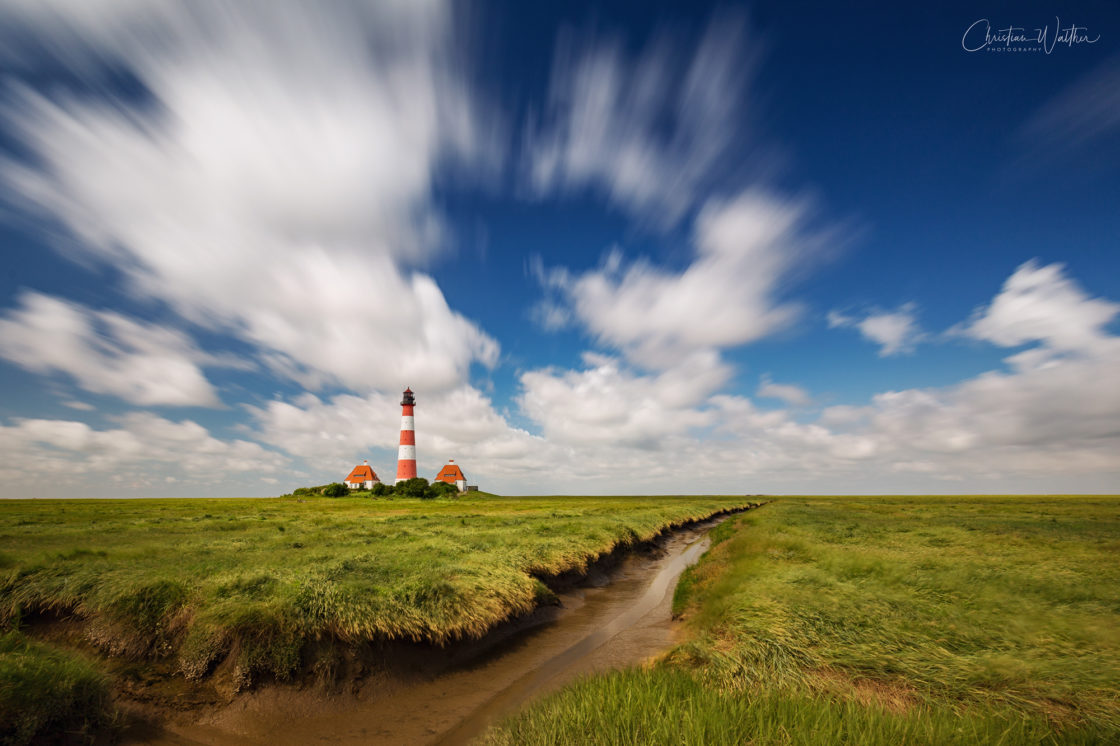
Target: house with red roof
<point>363,477</point>
<point>452,474</point>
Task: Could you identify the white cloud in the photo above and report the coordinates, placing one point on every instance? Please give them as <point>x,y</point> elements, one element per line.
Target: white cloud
<point>333,431</point>
<point>278,186</point>
<point>1055,415</point>
<point>1040,304</point>
<point>627,432</point>
<point>71,459</point>
<point>1053,425</point>
<point>896,332</point>
<point>606,404</point>
<point>608,429</point>
<point>793,395</point>
<point>106,352</point>
<point>652,133</point>
<point>1059,419</point>
<point>728,295</point>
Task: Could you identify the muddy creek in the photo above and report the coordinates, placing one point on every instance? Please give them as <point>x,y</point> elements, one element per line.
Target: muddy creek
<point>614,619</point>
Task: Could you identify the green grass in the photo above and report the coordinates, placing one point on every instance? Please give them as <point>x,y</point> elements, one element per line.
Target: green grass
<point>258,582</point>
<point>46,693</point>
<point>878,621</point>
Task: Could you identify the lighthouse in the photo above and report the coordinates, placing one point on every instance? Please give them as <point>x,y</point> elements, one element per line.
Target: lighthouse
<point>406,456</point>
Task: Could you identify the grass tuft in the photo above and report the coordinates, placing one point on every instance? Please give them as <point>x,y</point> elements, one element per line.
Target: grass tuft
<point>670,706</point>
<point>46,693</point>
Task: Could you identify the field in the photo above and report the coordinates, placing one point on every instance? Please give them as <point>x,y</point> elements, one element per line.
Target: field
<point>931,620</point>
<point>248,586</point>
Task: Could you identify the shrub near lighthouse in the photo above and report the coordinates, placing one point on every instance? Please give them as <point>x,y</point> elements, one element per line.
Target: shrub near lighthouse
<point>406,453</point>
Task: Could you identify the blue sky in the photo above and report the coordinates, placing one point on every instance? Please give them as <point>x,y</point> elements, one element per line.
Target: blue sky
<point>614,248</point>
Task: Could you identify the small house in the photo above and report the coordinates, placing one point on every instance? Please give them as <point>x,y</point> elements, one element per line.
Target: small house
<point>452,474</point>
<point>363,477</point>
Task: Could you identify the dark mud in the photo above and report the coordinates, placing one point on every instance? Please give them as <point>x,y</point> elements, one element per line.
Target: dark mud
<point>614,615</point>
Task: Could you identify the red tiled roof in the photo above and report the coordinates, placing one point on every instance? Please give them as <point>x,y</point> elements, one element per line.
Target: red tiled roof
<point>450,474</point>
<point>362,473</point>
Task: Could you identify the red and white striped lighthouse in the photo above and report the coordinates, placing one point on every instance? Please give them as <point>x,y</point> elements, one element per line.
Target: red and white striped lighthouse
<point>406,456</point>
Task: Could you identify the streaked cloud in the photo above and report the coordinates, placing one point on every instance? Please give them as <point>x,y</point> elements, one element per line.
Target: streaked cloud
<point>277,187</point>
<point>730,294</point>
<point>605,403</point>
<point>145,454</point>
<point>896,332</point>
<point>1041,304</point>
<point>107,353</point>
<point>1082,115</point>
<point>653,132</point>
<point>795,396</point>
<point>607,427</point>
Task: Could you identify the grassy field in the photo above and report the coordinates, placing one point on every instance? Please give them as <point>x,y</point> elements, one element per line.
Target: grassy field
<point>937,620</point>
<point>254,582</point>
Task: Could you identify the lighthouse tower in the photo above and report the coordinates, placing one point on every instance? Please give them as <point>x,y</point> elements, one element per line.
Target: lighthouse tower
<point>406,456</point>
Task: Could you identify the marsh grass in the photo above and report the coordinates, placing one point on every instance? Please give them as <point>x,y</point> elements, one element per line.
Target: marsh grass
<point>670,706</point>
<point>878,620</point>
<point>259,582</point>
<point>48,694</point>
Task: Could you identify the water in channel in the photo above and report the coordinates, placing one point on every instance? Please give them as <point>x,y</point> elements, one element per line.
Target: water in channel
<point>616,619</point>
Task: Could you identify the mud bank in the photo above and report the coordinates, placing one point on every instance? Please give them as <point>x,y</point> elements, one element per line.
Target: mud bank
<point>613,613</point>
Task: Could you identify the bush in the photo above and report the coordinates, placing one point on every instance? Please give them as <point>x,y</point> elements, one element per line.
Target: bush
<point>380,489</point>
<point>443,489</point>
<point>415,487</point>
<point>309,491</point>
<point>336,489</point>
<point>420,488</point>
